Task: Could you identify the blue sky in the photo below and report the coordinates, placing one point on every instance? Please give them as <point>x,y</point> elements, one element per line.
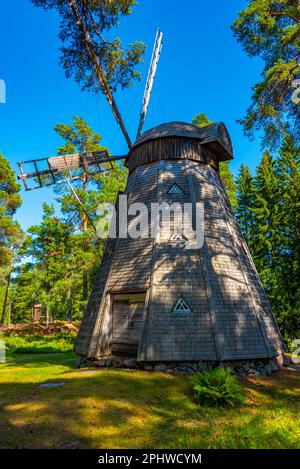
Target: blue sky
<point>202,69</point>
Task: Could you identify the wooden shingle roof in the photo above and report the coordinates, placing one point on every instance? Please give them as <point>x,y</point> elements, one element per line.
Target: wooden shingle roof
<point>215,136</point>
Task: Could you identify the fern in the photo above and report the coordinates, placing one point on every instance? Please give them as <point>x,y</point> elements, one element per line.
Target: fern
<point>217,388</point>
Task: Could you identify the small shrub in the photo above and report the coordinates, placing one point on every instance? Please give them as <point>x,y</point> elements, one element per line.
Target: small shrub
<point>217,387</point>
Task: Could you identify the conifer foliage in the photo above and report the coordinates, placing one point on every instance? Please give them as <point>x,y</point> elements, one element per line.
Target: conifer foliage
<point>268,212</point>
<point>10,200</point>
<point>63,253</point>
<point>118,62</point>
<point>271,30</point>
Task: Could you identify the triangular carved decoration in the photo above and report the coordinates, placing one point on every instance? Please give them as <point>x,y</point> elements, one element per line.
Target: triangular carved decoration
<point>181,307</point>
<point>175,189</point>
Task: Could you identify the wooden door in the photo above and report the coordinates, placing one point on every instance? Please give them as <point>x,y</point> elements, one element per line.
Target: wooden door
<point>127,316</point>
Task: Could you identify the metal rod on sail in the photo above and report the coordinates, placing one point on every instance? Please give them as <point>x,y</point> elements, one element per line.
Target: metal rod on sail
<point>80,203</point>
<point>67,180</point>
<point>150,80</point>
<point>99,72</point>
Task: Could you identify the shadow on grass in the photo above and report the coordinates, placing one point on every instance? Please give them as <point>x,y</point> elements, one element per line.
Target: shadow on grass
<point>39,360</point>
<point>282,389</point>
<point>122,409</point>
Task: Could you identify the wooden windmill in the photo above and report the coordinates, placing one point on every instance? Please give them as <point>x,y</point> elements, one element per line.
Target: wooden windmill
<point>153,300</point>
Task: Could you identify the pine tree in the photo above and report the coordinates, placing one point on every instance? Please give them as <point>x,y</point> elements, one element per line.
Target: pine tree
<point>51,271</point>
<point>23,291</point>
<point>99,18</point>
<point>79,137</point>
<point>50,249</point>
<point>271,30</point>
<point>10,200</point>
<point>62,255</point>
<point>10,230</point>
<point>201,120</point>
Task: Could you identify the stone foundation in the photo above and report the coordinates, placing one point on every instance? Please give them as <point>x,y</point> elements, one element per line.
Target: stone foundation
<point>239,368</point>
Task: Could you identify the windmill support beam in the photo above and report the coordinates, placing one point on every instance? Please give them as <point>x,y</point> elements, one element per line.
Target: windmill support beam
<point>99,72</point>
<point>150,79</point>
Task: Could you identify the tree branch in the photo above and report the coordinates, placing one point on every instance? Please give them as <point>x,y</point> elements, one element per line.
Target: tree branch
<point>88,13</point>
<point>280,13</point>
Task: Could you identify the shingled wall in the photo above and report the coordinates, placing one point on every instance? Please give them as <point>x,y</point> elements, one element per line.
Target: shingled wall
<point>230,317</point>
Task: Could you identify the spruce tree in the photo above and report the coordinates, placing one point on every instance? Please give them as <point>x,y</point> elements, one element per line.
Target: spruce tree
<point>228,182</point>
<point>288,172</point>
<point>268,212</point>
<point>269,217</point>
<point>245,204</point>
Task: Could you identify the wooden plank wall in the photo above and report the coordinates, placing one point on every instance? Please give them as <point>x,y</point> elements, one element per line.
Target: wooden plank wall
<point>170,148</point>
<point>230,317</point>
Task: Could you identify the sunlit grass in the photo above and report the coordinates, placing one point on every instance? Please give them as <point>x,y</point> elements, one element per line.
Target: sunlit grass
<point>133,409</point>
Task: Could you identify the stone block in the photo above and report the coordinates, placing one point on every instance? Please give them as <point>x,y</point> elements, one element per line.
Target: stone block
<point>286,360</point>
<point>148,367</point>
<point>117,363</point>
<point>130,363</point>
<point>160,367</point>
<point>101,363</point>
<point>274,365</point>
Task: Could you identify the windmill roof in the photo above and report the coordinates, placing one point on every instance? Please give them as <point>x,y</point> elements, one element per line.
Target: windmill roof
<point>209,134</point>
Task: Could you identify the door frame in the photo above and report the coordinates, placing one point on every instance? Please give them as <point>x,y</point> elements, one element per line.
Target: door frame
<point>124,293</point>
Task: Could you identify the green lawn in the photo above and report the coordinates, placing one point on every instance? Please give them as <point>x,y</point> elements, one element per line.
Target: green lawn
<point>57,337</point>
<point>135,409</point>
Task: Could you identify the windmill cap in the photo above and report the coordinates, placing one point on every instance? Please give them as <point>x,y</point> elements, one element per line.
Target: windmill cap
<point>215,136</point>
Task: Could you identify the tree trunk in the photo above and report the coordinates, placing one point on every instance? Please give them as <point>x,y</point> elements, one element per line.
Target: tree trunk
<point>68,305</point>
<point>9,314</point>
<point>84,230</point>
<point>47,316</point>
<point>5,298</point>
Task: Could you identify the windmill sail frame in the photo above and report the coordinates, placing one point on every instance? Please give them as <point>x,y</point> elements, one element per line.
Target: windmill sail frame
<point>58,167</point>
<point>150,79</point>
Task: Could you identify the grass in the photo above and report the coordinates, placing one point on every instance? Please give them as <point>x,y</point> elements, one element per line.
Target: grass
<point>134,409</point>
<point>38,344</point>
<point>58,337</point>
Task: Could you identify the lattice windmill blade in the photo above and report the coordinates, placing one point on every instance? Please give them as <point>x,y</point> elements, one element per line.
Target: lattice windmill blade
<point>54,170</point>
<point>150,79</point>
